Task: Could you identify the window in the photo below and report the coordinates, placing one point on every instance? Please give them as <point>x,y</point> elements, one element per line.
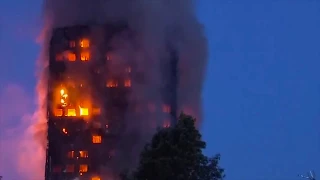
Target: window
<point>85,56</point>
<point>84,43</point>
<point>56,169</point>
<point>58,112</point>
<point>112,83</point>
<point>96,139</point>
<point>71,112</point>
<point>71,154</point>
<point>70,168</point>
<point>166,108</point>
<point>108,57</point>
<point>71,56</point>
<point>166,123</point>
<point>64,130</point>
<point>127,83</point>
<point>95,178</point>
<point>72,44</point>
<point>128,69</point>
<point>84,111</point>
<point>84,154</point>
<point>83,168</point>
<point>151,107</point>
<point>59,57</point>
<point>96,111</point>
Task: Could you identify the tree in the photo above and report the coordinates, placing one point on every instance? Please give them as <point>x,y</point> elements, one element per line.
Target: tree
<point>175,153</point>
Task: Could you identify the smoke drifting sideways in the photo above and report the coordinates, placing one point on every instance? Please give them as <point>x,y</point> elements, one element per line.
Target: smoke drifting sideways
<point>157,24</point>
<point>20,156</point>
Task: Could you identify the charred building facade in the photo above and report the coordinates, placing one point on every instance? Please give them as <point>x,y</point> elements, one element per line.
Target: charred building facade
<point>89,100</point>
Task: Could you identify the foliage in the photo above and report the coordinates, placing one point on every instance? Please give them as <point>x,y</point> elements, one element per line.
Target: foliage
<point>175,153</point>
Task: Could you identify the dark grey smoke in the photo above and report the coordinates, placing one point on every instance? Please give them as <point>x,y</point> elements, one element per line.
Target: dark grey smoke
<point>155,22</point>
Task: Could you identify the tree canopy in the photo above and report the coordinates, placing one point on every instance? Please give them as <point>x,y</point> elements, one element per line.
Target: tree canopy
<point>175,153</point>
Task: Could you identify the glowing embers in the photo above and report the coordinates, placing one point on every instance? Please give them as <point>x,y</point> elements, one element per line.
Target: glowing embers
<point>127,83</point>
<point>85,56</point>
<point>96,178</point>
<point>84,43</point>
<point>166,108</point>
<point>96,139</point>
<point>84,154</point>
<point>111,83</point>
<point>70,154</point>
<point>64,130</point>
<point>70,168</point>
<point>83,168</point>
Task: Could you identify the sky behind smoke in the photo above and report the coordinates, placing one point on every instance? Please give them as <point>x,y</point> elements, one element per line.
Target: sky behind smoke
<point>261,108</point>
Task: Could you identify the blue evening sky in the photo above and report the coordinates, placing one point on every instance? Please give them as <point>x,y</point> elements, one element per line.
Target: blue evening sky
<point>262,90</point>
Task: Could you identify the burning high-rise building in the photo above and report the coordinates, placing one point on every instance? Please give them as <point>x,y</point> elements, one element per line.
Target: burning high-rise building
<point>91,101</point>
<point>112,72</point>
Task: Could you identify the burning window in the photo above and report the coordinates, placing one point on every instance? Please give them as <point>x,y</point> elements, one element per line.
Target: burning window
<point>96,139</point>
<point>84,43</point>
<point>112,83</point>
<point>70,168</point>
<point>83,168</point>
<point>166,108</point>
<point>84,154</point>
<point>63,97</point>
<point>85,56</point>
<point>71,154</point>
<point>64,130</point>
<point>72,44</point>
<point>71,56</point>
<point>58,112</point>
<point>84,111</point>
<point>95,178</point>
<point>96,111</point>
<point>127,83</point>
<point>71,112</point>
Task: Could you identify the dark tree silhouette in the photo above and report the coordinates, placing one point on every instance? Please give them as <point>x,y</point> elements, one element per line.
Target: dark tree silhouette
<point>175,153</point>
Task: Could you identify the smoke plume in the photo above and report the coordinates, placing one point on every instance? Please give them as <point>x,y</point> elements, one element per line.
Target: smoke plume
<point>157,24</point>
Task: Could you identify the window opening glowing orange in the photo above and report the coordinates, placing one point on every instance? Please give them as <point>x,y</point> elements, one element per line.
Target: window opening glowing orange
<point>71,154</point>
<point>96,139</point>
<point>83,168</point>
<point>71,56</point>
<point>84,43</point>
<point>85,56</point>
<point>71,112</point>
<point>84,154</point>
<point>112,83</point>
